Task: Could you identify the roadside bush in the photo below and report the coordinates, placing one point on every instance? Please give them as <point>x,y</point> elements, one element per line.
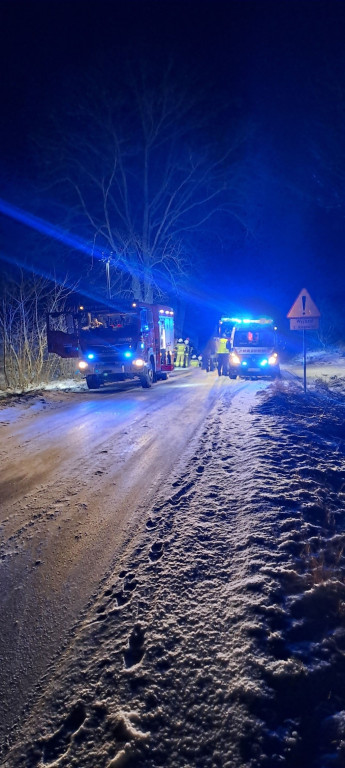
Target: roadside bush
<point>24,302</point>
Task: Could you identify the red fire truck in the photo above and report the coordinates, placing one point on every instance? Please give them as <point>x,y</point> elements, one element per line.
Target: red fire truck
<point>115,344</point>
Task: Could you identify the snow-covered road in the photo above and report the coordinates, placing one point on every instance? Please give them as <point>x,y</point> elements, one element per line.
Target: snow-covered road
<point>211,595</point>
<point>78,470</point>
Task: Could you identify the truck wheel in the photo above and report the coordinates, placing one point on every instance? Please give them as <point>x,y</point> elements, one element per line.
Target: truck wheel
<point>147,378</point>
<point>93,382</point>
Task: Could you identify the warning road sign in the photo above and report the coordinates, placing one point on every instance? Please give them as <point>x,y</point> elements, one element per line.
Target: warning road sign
<point>304,316</point>
<point>303,307</point>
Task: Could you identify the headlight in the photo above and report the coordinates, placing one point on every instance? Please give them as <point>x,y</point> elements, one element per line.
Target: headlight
<point>82,365</point>
<point>235,358</point>
<point>139,362</point>
<point>273,359</point>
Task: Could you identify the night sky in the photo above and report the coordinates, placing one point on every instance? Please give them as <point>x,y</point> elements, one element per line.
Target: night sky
<point>280,69</point>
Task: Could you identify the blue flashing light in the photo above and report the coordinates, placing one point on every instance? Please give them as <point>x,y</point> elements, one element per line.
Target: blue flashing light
<point>244,362</point>
<point>128,354</point>
<point>90,356</point>
<point>142,345</point>
<point>263,362</point>
<point>247,320</point>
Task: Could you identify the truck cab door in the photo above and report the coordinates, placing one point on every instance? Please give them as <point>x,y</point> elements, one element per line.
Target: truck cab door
<point>147,328</point>
<point>62,336</point>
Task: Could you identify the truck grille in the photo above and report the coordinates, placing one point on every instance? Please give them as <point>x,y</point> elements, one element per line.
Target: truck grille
<point>107,355</point>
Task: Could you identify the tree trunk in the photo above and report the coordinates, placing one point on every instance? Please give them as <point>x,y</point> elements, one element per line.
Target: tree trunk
<point>136,288</point>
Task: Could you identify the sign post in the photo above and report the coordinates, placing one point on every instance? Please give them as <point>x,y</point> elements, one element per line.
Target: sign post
<point>304,316</point>
<point>304,364</point>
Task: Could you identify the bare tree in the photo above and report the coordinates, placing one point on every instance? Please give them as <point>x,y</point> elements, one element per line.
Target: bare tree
<point>25,300</point>
<point>145,176</point>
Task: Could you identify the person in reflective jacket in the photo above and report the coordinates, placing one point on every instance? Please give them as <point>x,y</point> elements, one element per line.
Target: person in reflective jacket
<point>180,353</point>
<point>223,356</point>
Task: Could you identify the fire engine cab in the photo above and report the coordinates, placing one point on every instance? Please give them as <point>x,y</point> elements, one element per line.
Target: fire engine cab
<point>252,346</point>
<point>115,344</point>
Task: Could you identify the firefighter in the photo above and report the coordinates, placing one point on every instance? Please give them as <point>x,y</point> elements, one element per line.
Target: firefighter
<point>223,355</point>
<point>180,353</point>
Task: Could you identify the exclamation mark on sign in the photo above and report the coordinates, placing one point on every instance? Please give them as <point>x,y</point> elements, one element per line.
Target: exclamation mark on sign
<point>304,298</point>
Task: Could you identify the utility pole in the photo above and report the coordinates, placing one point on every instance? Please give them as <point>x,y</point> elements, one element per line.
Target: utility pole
<point>107,272</point>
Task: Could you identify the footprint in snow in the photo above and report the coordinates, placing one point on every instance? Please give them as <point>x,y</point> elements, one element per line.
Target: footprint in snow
<point>121,598</point>
<point>156,550</point>
<point>130,583</point>
<point>58,744</point>
<point>151,524</point>
<point>135,650</point>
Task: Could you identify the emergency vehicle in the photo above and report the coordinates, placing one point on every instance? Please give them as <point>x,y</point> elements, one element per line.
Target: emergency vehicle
<point>252,346</point>
<point>115,344</point>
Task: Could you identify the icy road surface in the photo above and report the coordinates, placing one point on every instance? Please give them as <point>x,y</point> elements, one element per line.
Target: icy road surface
<point>78,470</point>
<point>217,637</point>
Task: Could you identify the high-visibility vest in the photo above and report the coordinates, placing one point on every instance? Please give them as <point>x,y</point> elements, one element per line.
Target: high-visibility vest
<point>221,346</point>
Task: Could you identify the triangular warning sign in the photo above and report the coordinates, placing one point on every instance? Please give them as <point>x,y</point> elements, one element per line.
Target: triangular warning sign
<point>304,306</point>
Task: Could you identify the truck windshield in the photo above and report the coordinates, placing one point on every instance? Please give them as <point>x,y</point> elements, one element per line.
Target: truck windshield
<point>252,337</point>
<point>114,325</point>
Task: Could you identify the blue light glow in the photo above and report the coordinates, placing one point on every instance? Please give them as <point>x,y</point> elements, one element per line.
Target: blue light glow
<point>263,362</point>
<point>198,295</point>
<point>35,222</point>
<point>90,356</point>
<point>62,236</point>
<point>128,354</point>
<point>244,362</point>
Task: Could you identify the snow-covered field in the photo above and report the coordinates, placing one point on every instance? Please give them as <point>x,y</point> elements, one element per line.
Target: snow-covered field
<point>219,638</point>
